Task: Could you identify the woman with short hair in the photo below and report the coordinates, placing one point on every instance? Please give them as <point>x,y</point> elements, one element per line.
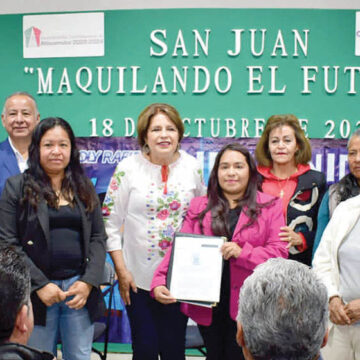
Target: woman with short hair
<point>149,194</point>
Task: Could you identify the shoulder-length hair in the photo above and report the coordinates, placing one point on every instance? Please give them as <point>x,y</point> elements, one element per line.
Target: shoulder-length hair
<point>37,184</point>
<point>149,112</point>
<point>262,152</point>
<point>219,205</point>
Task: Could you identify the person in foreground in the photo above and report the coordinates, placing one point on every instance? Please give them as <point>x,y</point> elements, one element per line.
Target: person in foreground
<point>52,213</point>
<point>19,117</point>
<point>283,153</point>
<point>336,261</point>
<point>283,313</point>
<point>346,188</point>
<point>16,312</point>
<point>251,221</point>
<point>148,195</point>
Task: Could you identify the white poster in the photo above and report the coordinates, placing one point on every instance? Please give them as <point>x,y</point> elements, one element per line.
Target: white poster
<point>63,35</point>
<point>357,34</point>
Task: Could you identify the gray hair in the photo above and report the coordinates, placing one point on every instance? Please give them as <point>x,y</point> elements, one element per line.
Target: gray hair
<point>283,310</point>
<point>21,93</point>
<point>15,288</point>
<point>355,133</point>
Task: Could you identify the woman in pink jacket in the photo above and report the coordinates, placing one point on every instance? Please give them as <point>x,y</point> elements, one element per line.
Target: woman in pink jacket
<point>251,221</point>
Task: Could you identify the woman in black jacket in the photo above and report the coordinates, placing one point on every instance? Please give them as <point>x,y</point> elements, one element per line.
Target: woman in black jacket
<point>52,213</point>
<point>283,154</point>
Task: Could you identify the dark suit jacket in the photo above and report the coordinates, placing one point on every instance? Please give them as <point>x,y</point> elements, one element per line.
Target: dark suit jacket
<point>8,163</point>
<point>15,351</point>
<point>28,229</point>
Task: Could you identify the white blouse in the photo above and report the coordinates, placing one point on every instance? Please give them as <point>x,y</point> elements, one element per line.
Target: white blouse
<point>136,198</point>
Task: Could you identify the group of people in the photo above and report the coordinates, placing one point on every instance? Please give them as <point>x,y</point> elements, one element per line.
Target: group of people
<point>49,211</point>
<point>264,212</point>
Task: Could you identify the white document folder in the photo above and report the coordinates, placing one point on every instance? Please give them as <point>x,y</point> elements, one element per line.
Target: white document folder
<point>195,268</point>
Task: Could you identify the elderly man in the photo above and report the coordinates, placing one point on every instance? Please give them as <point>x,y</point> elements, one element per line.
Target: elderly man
<point>16,312</point>
<point>19,118</point>
<point>283,312</point>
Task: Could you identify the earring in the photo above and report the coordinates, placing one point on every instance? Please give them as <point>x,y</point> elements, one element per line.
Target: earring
<point>146,149</point>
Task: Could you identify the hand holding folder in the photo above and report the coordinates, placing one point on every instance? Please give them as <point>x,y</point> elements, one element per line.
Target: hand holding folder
<point>195,269</point>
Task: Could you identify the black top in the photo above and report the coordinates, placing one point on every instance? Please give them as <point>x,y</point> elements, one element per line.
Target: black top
<point>27,228</point>
<point>65,242</point>
<point>232,218</point>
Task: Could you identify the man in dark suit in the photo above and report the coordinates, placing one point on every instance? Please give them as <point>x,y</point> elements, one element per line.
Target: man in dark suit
<point>19,118</point>
<point>16,312</point>
<point>283,312</point>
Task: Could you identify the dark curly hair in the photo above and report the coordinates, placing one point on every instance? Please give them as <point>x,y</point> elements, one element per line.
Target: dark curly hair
<point>219,205</point>
<point>37,184</point>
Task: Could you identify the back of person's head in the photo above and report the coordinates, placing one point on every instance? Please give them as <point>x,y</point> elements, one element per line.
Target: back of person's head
<point>283,312</point>
<point>14,289</point>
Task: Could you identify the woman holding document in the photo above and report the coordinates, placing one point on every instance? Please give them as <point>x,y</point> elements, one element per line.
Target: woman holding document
<point>251,222</point>
<point>148,195</point>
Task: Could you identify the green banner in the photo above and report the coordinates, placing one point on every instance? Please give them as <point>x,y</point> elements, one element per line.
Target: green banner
<point>225,70</point>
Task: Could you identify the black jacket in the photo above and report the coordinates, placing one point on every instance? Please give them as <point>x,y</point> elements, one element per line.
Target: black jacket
<point>12,351</point>
<point>302,213</point>
<point>303,209</point>
<point>28,229</point>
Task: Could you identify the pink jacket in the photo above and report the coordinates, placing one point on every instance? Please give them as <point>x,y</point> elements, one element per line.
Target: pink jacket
<point>259,242</point>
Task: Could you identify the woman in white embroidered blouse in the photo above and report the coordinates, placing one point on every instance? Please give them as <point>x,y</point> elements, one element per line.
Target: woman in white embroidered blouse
<point>149,194</point>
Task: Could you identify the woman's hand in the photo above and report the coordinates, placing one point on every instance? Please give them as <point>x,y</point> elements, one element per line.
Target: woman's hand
<point>80,290</point>
<point>126,281</point>
<point>337,312</point>
<point>230,249</point>
<point>162,294</point>
<point>289,235</point>
<point>51,294</point>
<point>352,310</point>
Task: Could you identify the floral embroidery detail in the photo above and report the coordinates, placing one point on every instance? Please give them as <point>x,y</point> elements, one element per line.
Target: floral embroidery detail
<point>113,185</point>
<point>109,198</point>
<point>200,173</point>
<point>168,232</point>
<point>174,205</point>
<point>167,211</point>
<point>166,237</point>
<point>164,244</point>
<point>163,214</point>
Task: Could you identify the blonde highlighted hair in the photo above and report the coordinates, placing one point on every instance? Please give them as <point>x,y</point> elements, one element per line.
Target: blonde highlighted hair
<point>262,152</point>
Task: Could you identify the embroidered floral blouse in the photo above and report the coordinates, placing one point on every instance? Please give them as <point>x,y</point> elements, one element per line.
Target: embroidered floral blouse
<point>136,199</point>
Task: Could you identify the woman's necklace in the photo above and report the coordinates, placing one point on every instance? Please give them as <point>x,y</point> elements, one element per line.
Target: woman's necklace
<point>282,188</point>
<point>279,180</point>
